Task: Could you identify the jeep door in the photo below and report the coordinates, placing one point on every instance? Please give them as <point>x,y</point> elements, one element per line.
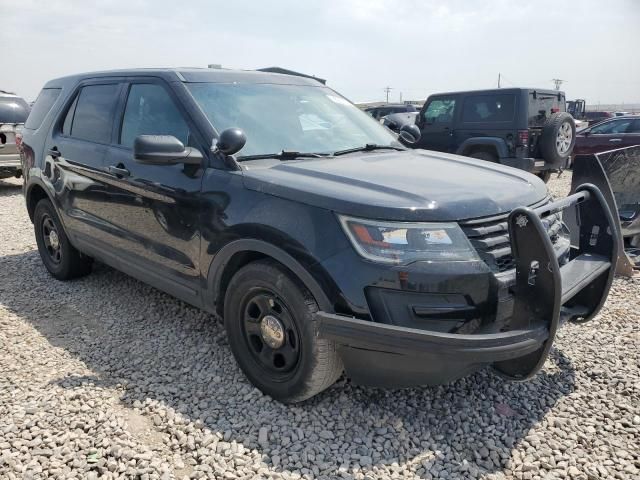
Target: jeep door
<point>155,208</point>
<point>74,157</point>
<point>436,122</point>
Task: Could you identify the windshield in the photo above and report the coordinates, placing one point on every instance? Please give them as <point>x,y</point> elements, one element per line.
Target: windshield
<point>297,118</point>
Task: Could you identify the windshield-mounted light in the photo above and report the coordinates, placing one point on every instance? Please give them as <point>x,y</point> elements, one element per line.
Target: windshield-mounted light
<point>401,243</point>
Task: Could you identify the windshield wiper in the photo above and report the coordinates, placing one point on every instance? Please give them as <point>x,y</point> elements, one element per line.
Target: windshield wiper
<point>368,148</point>
<point>283,155</point>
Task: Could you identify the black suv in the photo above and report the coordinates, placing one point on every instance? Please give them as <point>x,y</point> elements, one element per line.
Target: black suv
<point>519,127</point>
<point>324,244</point>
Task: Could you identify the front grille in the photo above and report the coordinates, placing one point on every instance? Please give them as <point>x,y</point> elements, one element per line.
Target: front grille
<point>491,239</point>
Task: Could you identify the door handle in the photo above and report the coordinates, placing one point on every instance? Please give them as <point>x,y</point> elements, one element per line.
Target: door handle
<point>119,170</point>
<point>54,152</point>
<point>615,140</point>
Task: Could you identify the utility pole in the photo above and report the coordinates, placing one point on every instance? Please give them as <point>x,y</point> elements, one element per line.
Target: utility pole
<point>387,90</point>
<point>498,79</point>
<point>400,97</point>
<point>557,82</point>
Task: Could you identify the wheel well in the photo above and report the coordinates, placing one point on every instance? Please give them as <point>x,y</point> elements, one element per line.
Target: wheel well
<point>481,148</point>
<point>36,194</point>
<point>235,263</point>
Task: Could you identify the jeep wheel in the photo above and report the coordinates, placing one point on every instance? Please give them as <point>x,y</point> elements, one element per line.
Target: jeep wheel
<point>558,138</point>
<point>271,330</point>
<point>484,155</point>
<point>60,258</point>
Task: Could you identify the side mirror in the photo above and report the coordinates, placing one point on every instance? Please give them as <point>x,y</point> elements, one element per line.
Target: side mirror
<point>409,134</point>
<point>164,150</point>
<point>231,141</point>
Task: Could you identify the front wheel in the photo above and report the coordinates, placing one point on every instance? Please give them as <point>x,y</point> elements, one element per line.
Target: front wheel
<point>269,320</point>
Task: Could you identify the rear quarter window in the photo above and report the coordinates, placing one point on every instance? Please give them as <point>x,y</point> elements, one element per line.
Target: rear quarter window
<point>488,108</point>
<point>44,102</point>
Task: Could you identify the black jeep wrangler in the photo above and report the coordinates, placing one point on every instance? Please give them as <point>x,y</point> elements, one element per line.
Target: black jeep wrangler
<point>324,244</point>
<point>519,127</point>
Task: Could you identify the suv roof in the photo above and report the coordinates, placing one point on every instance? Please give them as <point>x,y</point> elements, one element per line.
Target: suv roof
<point>217,75</point>
<point>503,90</point>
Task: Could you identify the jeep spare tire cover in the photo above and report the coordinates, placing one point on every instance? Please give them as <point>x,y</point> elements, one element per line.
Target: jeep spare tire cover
<point>558,137</point>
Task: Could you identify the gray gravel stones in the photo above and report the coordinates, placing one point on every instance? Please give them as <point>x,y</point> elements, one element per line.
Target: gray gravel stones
<point>105,377</point>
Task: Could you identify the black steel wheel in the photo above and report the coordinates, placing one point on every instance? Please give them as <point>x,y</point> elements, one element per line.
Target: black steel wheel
<point>271,334</point>
<point>269,318</point>
<point>60,258</point>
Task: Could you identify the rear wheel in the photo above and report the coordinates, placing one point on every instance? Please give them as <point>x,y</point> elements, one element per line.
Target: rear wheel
<point>484,155</point>
<point>269,320</point>
<point>60,258</point>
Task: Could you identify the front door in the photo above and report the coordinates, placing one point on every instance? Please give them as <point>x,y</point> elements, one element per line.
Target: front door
<point>436,124</point>
<point>156,207</point>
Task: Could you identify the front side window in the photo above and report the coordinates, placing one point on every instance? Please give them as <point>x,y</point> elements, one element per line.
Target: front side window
<point>300,118</point>
<point>151,111</point>
<point>93,116</point>
<point>440,110</point>
<point>616,126</point>
<point>488,108</point>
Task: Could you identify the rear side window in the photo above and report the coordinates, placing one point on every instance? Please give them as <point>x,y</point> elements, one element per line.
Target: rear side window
<point>151,111</point>
<point>488,108</point>
<point>43,104</point>
<point>93,116</point>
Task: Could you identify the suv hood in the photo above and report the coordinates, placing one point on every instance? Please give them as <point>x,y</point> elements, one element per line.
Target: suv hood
<point>399,185</point>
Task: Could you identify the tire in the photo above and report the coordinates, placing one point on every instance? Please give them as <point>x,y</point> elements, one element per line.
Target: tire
<point>545,175</point>
<point>60,258</point>
<point>558,138</point>
<point>484,155</point>
<point>301,365</point>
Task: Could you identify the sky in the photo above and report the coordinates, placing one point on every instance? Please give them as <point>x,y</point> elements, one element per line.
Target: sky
<point>416,47</point>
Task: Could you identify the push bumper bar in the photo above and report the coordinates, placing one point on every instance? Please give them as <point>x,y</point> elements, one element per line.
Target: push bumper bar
<point>545,293</point>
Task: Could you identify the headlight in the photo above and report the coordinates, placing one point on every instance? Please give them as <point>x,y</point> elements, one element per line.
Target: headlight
<point>405,242</point>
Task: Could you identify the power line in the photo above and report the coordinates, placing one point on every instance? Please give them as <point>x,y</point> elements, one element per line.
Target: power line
<point>557,82</point>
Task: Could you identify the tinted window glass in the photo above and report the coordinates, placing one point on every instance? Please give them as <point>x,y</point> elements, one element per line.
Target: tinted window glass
<point>440,110</point>
<point>635,127</point>
<point>151,111</point>
<point>66,127</point>
<point>616,126</point>
<point>93,116</point>
<point>43,104</point>
<point>488,108</point>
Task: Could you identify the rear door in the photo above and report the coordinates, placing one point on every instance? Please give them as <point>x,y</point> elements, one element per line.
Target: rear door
<point>436,123</point>
<point>154,208</point>
<point>74,157</point>
<point>608,136</point>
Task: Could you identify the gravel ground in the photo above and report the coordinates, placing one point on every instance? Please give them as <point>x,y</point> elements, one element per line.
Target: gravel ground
<point>105,377</point>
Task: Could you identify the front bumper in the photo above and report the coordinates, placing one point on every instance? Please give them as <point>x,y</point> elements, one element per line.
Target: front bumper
<point>544,294</point>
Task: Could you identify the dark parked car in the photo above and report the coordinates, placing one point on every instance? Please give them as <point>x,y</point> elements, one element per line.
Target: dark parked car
<point>615,133</point>
<point>13,113</point>
<point>519,127</point>
<point>324,244</point>
<point>388,109</point>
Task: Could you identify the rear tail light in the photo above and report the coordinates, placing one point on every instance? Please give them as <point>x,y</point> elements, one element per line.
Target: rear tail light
<point>18,140</point>
<point>523,138</point>
<point>555,110</point>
